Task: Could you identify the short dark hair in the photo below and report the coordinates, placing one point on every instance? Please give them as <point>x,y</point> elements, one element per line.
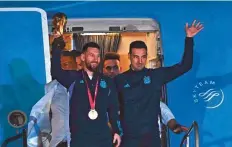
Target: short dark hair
<point>111,56</point>
<point>137,44</point>
<point>73,53</point>
<point>90,44</point>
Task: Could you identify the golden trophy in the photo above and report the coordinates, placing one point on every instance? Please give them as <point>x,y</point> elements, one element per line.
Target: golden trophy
<point>59,22</point>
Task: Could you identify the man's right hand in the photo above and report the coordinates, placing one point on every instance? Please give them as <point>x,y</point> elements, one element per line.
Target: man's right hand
<point>117,140</point>
<point>56,35</point>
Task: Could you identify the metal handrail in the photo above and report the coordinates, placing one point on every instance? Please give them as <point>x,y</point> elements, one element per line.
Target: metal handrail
<point>16,137</point>
<point>196,134</point>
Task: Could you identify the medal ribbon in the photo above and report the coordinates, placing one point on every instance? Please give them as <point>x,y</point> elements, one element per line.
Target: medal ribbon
<point>92,101</point>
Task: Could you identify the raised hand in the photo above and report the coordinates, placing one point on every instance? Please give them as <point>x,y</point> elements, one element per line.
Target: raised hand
<point>193,29</point>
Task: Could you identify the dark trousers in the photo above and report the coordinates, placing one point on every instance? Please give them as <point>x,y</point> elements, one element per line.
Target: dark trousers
<point>146,140</point>
<point>89,144</point>
<point>93,141</point>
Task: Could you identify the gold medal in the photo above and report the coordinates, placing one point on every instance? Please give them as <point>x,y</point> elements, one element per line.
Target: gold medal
<point>93,114</point>
<point>92,101</point>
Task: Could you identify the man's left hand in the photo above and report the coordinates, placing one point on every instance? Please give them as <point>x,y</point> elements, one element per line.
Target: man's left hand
<point>179,129</point>
<point>194,29</point>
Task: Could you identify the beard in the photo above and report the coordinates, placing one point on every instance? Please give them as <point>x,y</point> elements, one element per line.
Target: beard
<point>138,67</point>
<point>112,75</point>
<point>91,67</point>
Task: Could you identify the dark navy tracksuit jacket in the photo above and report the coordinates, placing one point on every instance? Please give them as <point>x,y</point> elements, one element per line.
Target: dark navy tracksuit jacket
<point>140,93</point>
<point>84,131</point>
